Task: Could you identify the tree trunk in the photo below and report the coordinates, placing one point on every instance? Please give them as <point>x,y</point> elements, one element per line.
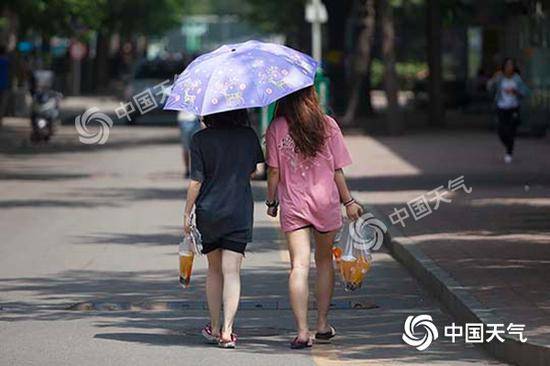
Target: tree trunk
<point>393,114</point>
<point>102,61</point>
<point>436,112</point>
<point>8,33</point>
<point>365,104</point>
<point>361,58</point>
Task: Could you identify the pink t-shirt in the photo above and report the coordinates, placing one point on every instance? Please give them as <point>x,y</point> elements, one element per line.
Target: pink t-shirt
<point>307,192</point>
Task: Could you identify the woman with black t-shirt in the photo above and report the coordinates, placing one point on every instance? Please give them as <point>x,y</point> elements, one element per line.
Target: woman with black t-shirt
<point>223,157</point>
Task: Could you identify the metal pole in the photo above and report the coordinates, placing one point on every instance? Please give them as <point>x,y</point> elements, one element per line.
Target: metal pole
<point>76,77</point>
<point>316,32</point>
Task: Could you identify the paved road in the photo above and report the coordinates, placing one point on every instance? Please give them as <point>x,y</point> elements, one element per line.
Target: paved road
<point>101,226</point>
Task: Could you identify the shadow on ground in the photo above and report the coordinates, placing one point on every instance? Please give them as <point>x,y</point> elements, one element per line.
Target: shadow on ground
<point>373,334</point>
<point>494,241</point>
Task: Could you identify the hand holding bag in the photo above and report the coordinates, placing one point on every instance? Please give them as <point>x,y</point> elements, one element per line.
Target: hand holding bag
<point>190,246</point>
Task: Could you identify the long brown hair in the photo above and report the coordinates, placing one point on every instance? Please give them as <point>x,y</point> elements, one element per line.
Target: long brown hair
<point>306,120</point>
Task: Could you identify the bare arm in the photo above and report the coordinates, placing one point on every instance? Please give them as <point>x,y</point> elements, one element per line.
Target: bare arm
<point>272,183</point>
<point>192,194</point>
<point>492,82</point>
<point>353,210</point>
<point>343,190</point>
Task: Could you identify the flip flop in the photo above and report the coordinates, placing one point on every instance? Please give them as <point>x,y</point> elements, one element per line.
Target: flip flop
<point>228,343</point>
<point>208,335</point>
<point>298,344</point>
<point>325,337</point>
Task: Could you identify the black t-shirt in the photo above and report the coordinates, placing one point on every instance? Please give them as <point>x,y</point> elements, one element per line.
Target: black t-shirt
<point>222,158</point>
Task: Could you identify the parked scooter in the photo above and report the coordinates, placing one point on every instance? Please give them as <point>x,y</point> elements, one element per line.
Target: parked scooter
<point>45,111</point>
<point>45,106</point>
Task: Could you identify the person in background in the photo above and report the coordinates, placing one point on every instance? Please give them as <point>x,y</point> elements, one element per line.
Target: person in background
<point>4,82</point>
<point>189,125</point>
<point>508,89</point>
<point>224,156</point>
<point>306,152</point>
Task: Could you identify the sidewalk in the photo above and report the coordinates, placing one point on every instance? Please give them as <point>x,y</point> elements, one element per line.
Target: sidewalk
<point>98,231</point>
<point>74,105</point>
<point>15,132</point>
<point>486,254</point>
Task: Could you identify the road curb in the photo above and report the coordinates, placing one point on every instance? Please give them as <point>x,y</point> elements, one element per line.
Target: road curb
<point>461,303</point>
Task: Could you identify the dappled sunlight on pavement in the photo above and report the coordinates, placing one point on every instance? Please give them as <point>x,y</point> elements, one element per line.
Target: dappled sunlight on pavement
<point>495,241</point>
<point>88,273</point>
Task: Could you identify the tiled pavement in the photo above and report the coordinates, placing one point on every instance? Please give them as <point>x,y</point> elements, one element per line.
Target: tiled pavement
<point>495,241</point>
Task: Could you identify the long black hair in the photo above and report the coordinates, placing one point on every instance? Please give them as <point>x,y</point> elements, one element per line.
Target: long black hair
<point>514,64</point>
<point>235,118</point>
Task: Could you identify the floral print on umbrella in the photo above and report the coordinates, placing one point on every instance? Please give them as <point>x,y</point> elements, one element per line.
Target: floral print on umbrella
<point>244,75</point>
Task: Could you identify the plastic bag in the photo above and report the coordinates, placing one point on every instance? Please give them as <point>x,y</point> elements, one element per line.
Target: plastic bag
<point>353,246</point>
<point>190,246</point>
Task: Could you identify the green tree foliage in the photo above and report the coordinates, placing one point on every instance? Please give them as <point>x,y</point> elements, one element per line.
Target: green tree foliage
<point>129,17</point>
<point>54,17</point>
<point>453,11</point>
<point>218,7</point>
<point>70,17</point>
<point>285,17</point>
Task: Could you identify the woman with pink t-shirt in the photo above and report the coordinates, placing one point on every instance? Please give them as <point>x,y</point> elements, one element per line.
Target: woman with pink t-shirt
<point>305,155</point>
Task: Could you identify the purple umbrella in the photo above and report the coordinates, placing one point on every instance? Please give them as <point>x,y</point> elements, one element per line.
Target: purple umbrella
<point>241,75</point>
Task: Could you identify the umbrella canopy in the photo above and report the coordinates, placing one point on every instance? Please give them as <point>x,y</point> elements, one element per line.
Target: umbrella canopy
<point>242,75</point>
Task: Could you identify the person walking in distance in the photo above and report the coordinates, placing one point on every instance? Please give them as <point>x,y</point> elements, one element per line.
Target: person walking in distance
<point>508,89</point>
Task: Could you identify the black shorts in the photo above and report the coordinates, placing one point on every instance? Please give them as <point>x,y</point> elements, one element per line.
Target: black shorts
<point>234,246</point>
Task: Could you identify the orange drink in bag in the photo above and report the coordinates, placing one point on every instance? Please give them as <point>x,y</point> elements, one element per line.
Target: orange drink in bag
<point>186,265</point>
<point>337,252</point>
<point>188,247</point>
<point>352,248</point>
<point>353,271</point>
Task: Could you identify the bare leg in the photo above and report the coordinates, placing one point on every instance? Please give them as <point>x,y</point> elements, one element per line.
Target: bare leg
<point>299,247</point>
<point>231,268</point>
<point>214,283</point>
<point>325,277</point>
